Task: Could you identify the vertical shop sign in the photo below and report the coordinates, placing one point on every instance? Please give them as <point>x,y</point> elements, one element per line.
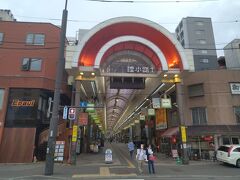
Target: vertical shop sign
<point>184,134</point>
<point>161,119</point>
<point>74,133</point>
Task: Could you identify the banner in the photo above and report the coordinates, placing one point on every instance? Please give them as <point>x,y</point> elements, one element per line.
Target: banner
<point>156,103</point>
<point>161,119</point>
<point>151,112</point>
<point>83,119</point>
<point>166,103</point>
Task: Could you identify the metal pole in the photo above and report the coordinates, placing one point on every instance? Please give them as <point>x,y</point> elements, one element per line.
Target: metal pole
<point>58,83</point>
<point>179,90</point>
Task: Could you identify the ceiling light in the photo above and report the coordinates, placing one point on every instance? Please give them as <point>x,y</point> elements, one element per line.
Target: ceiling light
<point>93,73</point>
<point>165,75</point>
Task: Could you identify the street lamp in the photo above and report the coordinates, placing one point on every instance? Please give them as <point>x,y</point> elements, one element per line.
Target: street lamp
<point>58,83</point>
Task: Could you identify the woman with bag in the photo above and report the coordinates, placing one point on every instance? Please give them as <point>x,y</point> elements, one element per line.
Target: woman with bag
<point>151,158</point>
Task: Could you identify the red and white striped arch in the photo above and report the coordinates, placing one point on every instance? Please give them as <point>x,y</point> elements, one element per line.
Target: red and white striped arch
<point>131,33</point>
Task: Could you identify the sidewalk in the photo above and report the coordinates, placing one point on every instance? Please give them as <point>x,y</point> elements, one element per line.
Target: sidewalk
<point>162,159</point>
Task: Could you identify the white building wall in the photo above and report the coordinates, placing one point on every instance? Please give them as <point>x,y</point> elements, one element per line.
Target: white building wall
<point>232,54</point>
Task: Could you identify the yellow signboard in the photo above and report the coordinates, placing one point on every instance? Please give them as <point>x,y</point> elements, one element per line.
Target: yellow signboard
<point>184,134</point>
<point>74,133</point>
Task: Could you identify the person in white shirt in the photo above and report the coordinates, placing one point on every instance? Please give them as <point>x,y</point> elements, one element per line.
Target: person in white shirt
<point>141,157</point>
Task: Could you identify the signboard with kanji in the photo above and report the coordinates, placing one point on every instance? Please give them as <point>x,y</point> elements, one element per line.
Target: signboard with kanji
<point>74,133</point>
<point>156,103</point>
<point>59,151</point>
<point>184,134</point>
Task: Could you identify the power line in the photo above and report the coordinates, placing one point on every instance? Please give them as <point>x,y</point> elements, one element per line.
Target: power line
<point>44,48</point>
<point>89,21</point>
<point>147,2</point>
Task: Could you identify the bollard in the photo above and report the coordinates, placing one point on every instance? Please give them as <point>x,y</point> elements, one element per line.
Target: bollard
<point>178,161</point>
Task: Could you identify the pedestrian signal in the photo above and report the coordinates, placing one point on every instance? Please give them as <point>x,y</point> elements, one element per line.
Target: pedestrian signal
<point>72,114</point>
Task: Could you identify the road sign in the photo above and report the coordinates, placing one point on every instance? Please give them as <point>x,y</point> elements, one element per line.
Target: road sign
<point>72,113</point>
<point>65,112</point>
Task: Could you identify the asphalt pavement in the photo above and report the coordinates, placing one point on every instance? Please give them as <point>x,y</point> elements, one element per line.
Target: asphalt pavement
<point>93,166</point>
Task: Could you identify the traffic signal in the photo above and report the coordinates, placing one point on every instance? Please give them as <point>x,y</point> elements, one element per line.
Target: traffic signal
<point>72,114</point>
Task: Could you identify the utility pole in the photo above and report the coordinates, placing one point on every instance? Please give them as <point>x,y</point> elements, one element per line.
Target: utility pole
<point>182,129</point>
<point>58,83</point>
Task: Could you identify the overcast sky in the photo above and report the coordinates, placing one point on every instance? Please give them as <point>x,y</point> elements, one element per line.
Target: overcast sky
<point>87,14</point>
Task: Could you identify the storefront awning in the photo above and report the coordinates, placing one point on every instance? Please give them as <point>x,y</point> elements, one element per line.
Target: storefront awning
<point>170,132</point>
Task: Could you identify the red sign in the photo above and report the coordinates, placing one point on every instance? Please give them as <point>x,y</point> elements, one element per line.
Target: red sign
<point>83,119</point>
<point>207,138</point>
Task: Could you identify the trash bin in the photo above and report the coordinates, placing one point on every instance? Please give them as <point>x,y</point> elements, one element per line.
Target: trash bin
<point>108,156</point>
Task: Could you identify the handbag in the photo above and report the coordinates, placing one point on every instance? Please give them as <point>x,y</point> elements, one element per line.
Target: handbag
<point>152,158</point>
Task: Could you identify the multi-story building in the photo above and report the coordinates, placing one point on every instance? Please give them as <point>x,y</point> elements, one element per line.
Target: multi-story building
<point>212,107</point>
<point>232,54</point>
<point>6,15</point>
<point>29,53</point>
<point>196,33</point>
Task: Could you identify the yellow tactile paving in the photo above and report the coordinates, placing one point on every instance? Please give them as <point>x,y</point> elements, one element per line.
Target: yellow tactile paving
<point>104,171</point>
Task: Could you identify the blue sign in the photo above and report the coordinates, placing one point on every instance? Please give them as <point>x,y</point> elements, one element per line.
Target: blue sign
<point>65,112</point>
<point>83,104</point>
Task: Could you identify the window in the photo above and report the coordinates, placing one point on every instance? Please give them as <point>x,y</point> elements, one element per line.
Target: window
<point>182,35</point>
<point>226,140</point>
<point>199,32</point>
<point>202,41</point>
<point>237,113</point>
<point>236,150</point>
<point>195,90</point>
<point>31,64</point>
<point>203,51</point>
<point>1,38</point>
<point>199,116</point>
<point>199,23</point>
<point>235,140</point>
<point>1,98</point>
<point>205,61</point>
<point>182,42</point>
<point>35,39</point>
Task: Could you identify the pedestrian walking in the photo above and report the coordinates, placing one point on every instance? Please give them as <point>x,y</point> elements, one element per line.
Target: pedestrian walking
<point>150,159</point>
<point>141,157</point>
<point>131,148</point>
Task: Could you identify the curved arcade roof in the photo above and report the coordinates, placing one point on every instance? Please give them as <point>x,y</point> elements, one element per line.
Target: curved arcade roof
<point>131,33</point>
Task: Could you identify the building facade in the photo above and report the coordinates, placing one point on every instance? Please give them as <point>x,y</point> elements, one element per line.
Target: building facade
<point>196,33</point>
<point>232,54</point>
<point>212,109</point>
<point>6,15</point>
<point>29,53</point>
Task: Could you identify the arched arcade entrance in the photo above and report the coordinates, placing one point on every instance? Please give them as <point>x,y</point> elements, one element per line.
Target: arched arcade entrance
<point>126,51</point>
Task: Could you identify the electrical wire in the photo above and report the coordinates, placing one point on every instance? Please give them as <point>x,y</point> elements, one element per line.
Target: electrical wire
<point>89,21</point>
<point>49,48</point>
<point>163,1</point>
